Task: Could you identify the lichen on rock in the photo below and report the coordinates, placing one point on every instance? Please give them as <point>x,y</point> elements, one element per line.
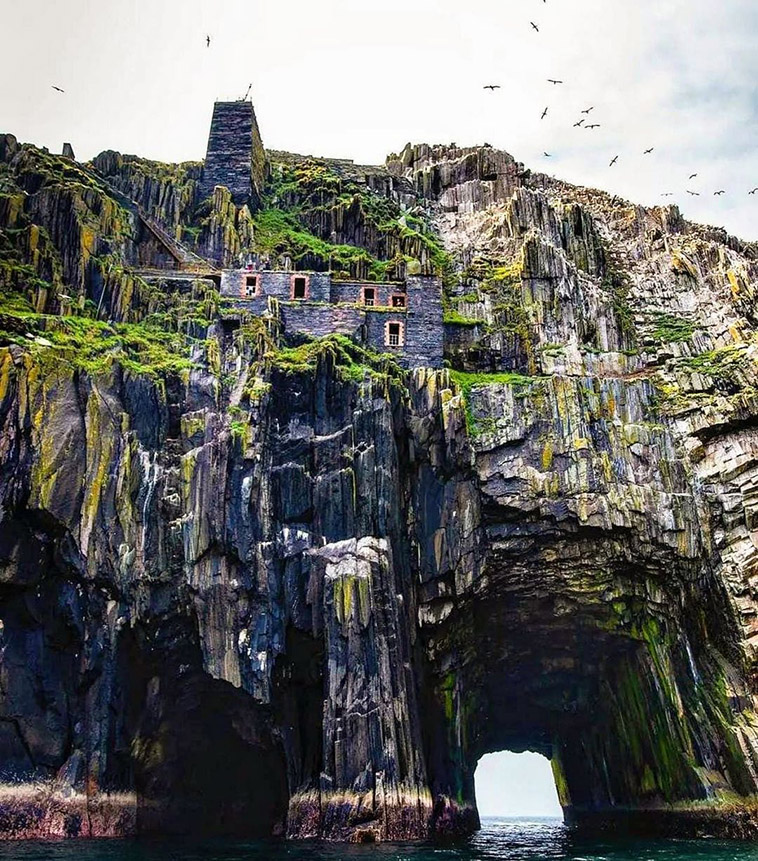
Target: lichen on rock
<point>259,585</point>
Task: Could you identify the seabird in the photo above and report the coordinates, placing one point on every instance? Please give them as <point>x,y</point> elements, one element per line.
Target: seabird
<point>693,193</point>
<point>588,110</point>
<point>613,160</point>
<point>593,126</point>
<point>667,194</point>
<point>648,151</point>
<point>534,26</point>
<point>58,88</point>
<point>491,87</point>
<point>553,81</point>
<point>754,191</point>
<point>576,125</point>
<point>544,114</point>
<point>692,175</point>
<point>716,193</point>
<point>547,155</point>
<point>207,41</point>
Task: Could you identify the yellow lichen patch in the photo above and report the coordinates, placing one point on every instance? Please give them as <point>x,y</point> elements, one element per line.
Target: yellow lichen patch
<point>6,371</point>
<point>680,263</point>
<point>100,448</point>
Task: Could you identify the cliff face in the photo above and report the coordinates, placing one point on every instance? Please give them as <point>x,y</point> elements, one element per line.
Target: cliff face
<point>255,587</point>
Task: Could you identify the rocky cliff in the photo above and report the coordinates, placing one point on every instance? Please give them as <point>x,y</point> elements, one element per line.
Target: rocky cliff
<point>258,587</point>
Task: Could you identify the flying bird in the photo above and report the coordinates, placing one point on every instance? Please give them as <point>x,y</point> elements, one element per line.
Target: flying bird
<point>716,193</point>
<point>534,26</point>
<point>593,126</point>
<point>544,114</point>
<point>553,81</point>
<point>692,175</point>
<point>588,110</point>
<point>667,194</point>
<point>613,160</point>
<point>57,88</point>
<point>693,193</point>
<point>207,41</point>
<point>492,87</point>
<point>577,125</point>
<point>547,155</point>
<point>754,191</point>
<point>648,151</point>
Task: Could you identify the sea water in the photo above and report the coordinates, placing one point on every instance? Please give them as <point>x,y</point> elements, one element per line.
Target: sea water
<point>517,839</point>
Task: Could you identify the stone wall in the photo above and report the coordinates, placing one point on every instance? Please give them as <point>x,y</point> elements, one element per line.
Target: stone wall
<point>424,336</point>
<point>343,310</point>
<point>318,321</point>
<point>235,157</point>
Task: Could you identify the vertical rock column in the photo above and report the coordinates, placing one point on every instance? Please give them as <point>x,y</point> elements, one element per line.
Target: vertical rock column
<point>373,784</point>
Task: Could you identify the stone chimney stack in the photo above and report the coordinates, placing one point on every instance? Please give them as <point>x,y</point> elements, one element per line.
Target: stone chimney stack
<point>235,156</point>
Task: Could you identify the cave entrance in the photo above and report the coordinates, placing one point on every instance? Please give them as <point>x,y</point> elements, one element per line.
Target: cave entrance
<point>517,785</point>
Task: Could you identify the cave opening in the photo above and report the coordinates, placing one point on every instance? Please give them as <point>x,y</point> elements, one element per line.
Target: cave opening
<point>516,785</point>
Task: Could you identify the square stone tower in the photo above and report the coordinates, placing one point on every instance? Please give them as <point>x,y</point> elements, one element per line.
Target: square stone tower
<point>235,156</point>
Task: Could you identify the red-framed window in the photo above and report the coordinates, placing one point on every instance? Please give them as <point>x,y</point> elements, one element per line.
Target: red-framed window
<point>300,286</point>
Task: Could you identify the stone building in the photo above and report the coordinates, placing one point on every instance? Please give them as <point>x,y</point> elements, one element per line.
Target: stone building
<point>401,318</point>
<point>235,157</point>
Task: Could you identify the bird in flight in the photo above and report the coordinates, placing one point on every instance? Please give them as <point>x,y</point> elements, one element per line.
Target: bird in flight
<point>593,126</point>
<point>588,110</point>
<point>57,88</point>
<point>547,155</point>
<point>577,125</point>
<point>693,193</point>
<point>692,175</point>
<point>544,114</point>
<point>534,26</point>
<point>613,160</point>
<point>207,41</point>
<point>754,191</point>
<point>553,81</point>
<point>716,193</point>
<point>667,194</point>
<point>648,151</point>
<point>492,87</point>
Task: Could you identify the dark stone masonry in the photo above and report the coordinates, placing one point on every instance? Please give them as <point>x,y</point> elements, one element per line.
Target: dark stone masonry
<point>235,156</point>
<point>404,319</point>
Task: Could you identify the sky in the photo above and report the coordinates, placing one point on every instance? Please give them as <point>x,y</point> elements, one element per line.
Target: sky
<point>360,78</point>
<point>515,784</point>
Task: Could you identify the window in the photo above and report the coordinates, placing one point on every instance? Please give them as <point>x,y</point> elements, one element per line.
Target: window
<point>299,286</point>
<point>250,287</point>
<point>394,335</point>
<point>369,296</point>
<point>398,300</point>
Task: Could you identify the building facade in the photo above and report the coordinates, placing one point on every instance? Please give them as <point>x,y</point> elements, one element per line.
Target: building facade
<point>402,318</point>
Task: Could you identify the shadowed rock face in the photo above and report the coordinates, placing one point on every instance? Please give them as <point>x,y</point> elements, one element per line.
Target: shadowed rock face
<point>254,588</point>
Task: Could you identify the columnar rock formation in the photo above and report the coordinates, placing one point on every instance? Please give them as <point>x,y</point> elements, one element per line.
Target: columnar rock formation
<point>268,588</point>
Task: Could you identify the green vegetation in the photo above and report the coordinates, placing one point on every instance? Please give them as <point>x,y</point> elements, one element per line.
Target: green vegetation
<point>350,361</point>
<point>305,203</point>
<point>466,383</point>
<point>279,233</point>
<point>452,316</point>
<point>721,365</point>
<point>672,330</point>
<point>91,345</point>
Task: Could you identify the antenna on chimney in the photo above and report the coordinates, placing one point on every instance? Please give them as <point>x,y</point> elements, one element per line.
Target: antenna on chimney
<point>249,87</point>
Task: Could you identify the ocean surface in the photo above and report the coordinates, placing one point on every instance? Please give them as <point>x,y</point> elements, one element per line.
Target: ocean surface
<point>532,839</point>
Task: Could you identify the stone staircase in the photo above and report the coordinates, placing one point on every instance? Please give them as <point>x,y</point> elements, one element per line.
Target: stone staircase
<point>188,262</point>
